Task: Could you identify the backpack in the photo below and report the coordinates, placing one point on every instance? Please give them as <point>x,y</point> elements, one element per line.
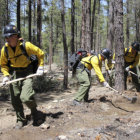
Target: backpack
<point>76,58</point>
<point>33,58</point>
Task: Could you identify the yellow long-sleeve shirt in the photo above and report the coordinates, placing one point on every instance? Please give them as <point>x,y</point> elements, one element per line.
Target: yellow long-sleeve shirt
<point>95,63</point>
<point>131,57</point>
<point>110,63</point>
<point>17,58</point>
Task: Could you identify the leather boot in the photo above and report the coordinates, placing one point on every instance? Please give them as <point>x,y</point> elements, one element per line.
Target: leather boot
<point>35,116</point>
<point>19,125</point>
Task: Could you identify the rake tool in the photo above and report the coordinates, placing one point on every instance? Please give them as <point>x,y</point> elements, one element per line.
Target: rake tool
<point>133,99</point>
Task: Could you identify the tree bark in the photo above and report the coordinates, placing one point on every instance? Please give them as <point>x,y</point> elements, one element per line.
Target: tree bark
<point>83,36</point>
<point>30,21</point>
<point>137,19</point>
<point>34,21</point>
<point>51,39</point>
<point>7,12</point>
<point>88,26</point>
<point>110,36</point>
<point>65,46</point>
<point>97,47</point>
<point>72,25</point>
<point>92,23</point>
<point>127,23</point>
<point>119,45</point>
<point>39,23</point>
<point>18,15</point>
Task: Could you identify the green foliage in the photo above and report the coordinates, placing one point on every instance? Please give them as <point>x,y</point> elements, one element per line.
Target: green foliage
<point>43,84</point>
<point>53,8</point>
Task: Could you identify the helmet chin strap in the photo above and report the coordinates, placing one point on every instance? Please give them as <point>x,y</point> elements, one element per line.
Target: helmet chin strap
<point>102,58</point>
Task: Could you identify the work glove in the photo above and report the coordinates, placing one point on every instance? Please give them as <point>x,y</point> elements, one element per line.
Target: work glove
<point>109,71</point>
<point>105,84</point>
<point>113,62</point>
<point>127,69</point>
<point>5,79</point>
<point>40,70</point>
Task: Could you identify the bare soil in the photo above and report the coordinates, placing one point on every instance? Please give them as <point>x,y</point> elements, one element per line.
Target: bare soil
<point>107,116</point>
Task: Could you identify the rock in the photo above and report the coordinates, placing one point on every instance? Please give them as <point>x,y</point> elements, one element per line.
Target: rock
<point>62,137</point>
<point>1,132</point>
<point>45,126</point>
<point>55,101</point>
<point>98,137</point>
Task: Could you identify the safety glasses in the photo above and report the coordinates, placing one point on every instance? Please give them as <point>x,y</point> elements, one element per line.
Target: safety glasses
<point>7,37</point>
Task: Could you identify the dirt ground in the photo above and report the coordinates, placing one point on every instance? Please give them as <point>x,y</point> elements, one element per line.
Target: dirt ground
<point>107,116</point>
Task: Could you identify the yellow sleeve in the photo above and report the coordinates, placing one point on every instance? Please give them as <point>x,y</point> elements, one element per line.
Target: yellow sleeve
<point>32,49</point>
<point>135,63</point>
<point>97,68</point>
<point>4,63</point>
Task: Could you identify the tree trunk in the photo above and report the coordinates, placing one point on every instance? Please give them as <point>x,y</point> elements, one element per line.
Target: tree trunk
<point>30,21</point>
<point>110,37</point>
<point>137,19</point>
<point>7,12</point>
<point>39,23</point>
<point>97,47</point>
<point>51,39</point>
<point>34,21</point>
<point>76,32</point>
<point>72,25</point>
<point>108,2</point>
<point>24,20</point>
<point>0,28</point>
<point>56,37</point>
<point>92,23</point>
<point>65,46</point>
<point>88,26</point>
<point>83,37</point>
<point>18,15</point>
<point>119,44</point>
<point>127,23</point>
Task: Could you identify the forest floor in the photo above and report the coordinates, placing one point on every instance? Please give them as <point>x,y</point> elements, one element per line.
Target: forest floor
<point>107,117</point>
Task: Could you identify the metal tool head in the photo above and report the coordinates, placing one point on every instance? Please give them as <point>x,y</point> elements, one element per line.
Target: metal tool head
<point>102,99</point>
<point>134,99</point>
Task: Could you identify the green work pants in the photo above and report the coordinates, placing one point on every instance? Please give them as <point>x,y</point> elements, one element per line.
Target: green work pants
<point>110,78</point>
<point>22,92</point>
<point>84,81</point>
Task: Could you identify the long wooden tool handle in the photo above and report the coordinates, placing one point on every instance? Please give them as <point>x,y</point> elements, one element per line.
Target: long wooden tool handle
<point>133,73</point>
<point>113,89</point>
<point>19,79</point>
<point>120,93</point>
<point>117,91</point>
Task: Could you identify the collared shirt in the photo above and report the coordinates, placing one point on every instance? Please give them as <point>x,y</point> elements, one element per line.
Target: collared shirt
<point>94,62</point>
<point>131,57</point>
<point>17,58</point>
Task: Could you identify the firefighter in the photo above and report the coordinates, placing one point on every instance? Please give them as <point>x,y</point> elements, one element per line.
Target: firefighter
<point>131,58</point>
<point>83,74</point>
<point>14,64</point>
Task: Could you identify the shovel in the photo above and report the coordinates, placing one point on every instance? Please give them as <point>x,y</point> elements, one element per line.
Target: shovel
<point>133,99</point>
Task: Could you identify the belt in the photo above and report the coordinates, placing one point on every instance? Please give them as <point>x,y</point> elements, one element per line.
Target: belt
<point>20,68</point>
